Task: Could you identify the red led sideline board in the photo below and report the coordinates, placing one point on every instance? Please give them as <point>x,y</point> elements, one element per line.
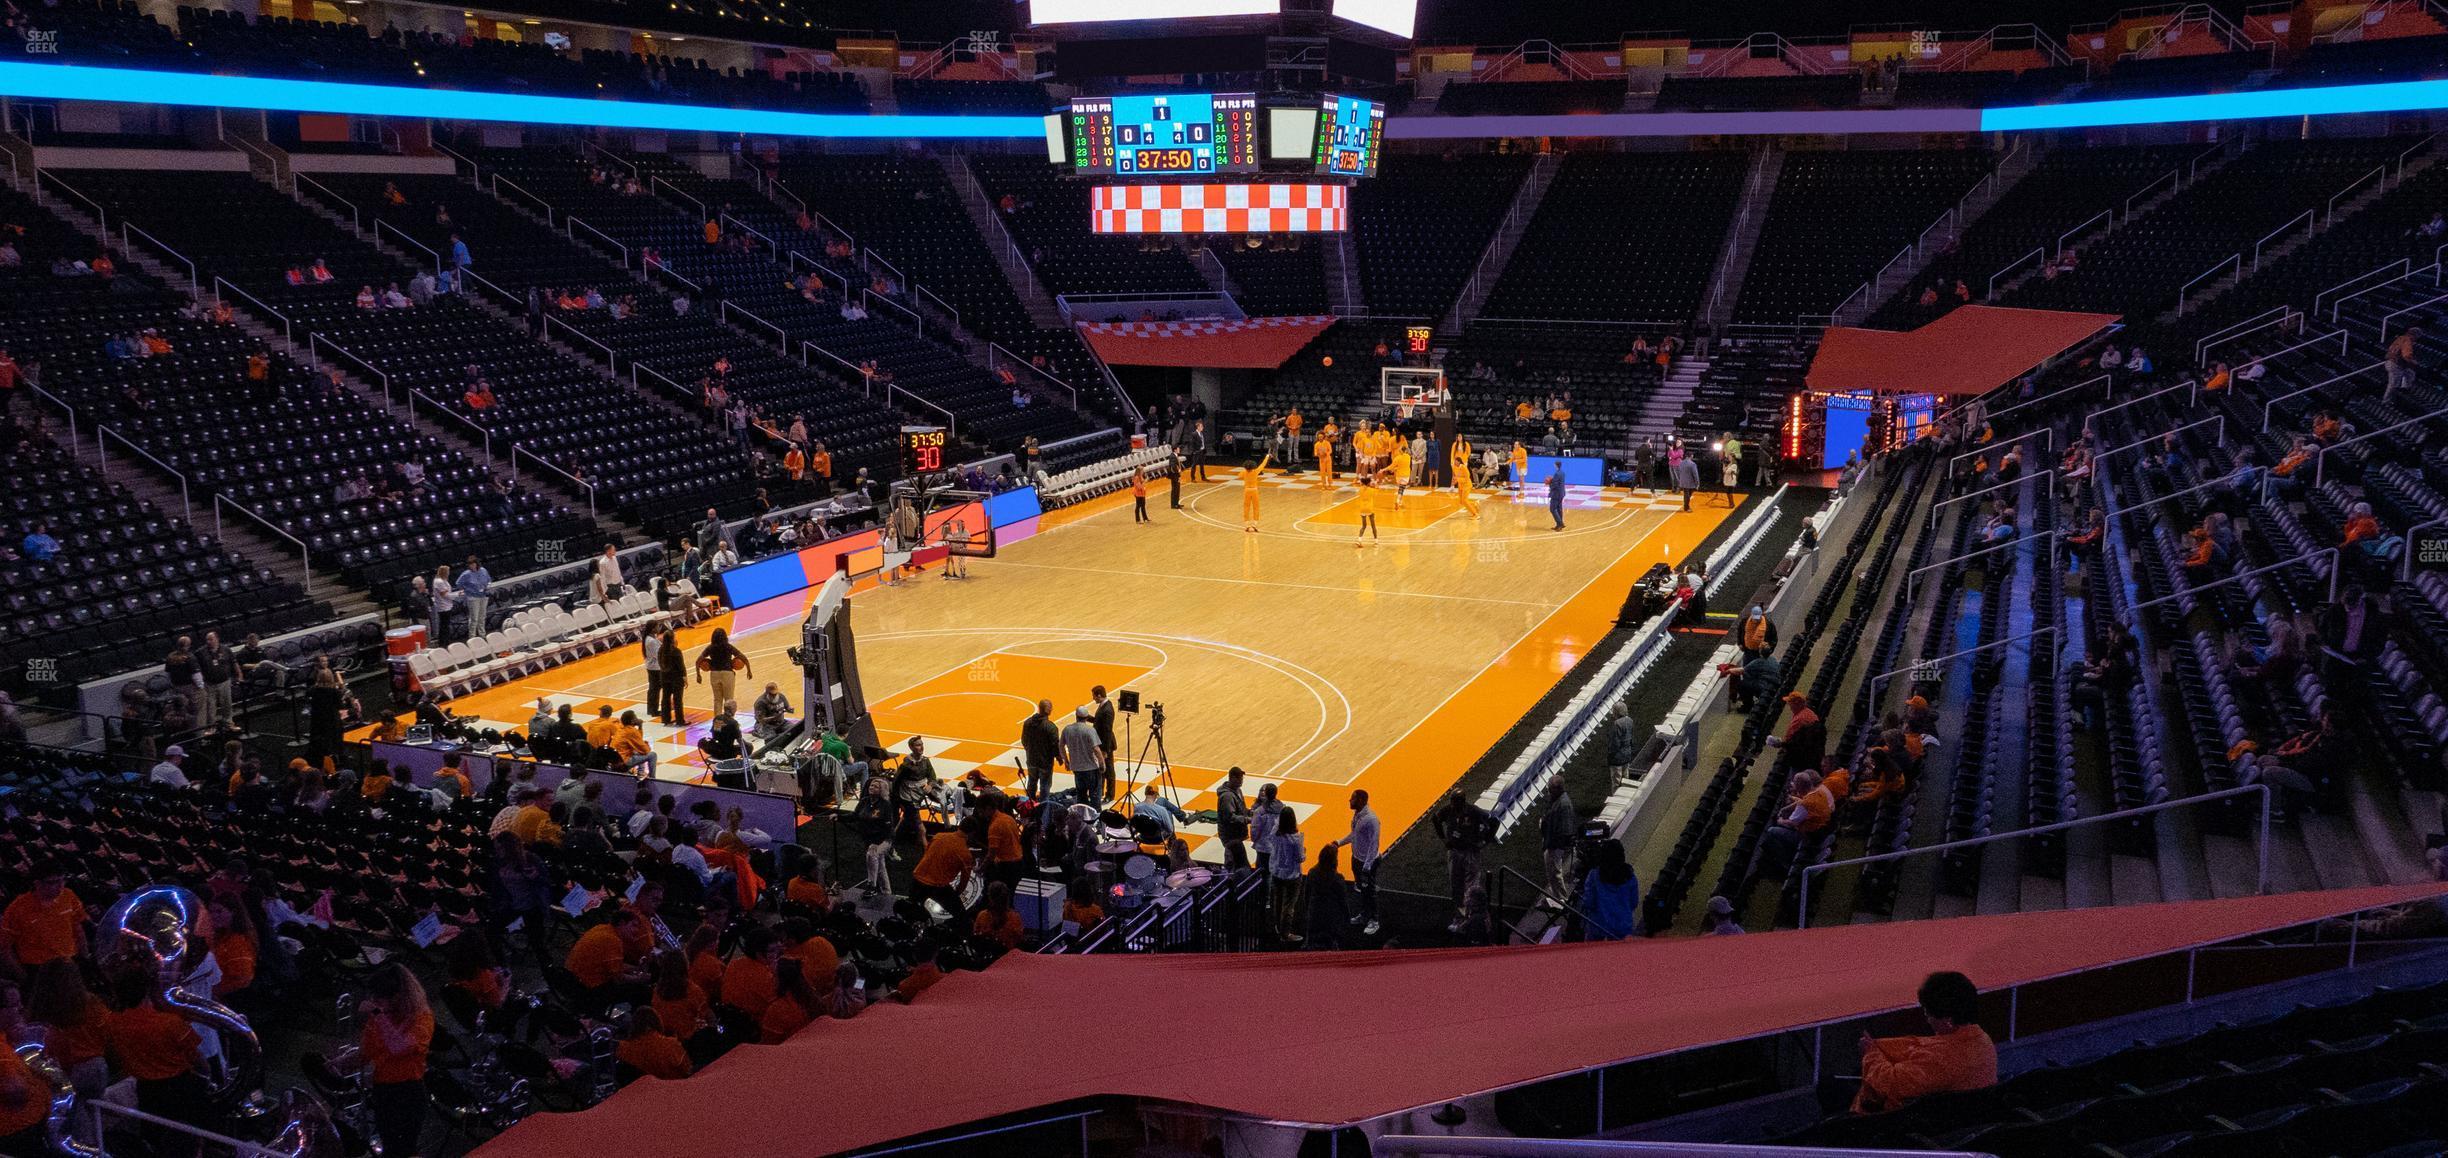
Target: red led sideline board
<point>1255,207</point>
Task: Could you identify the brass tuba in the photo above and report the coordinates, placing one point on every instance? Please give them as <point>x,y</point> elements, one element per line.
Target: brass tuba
<point>157,926</point>
<point>60,1126</point>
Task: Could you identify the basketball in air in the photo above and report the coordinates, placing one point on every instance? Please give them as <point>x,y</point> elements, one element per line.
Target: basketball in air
<point>1328,360</point>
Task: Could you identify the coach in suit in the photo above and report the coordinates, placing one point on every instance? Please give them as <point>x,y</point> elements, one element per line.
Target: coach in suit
<point>1196,447</point>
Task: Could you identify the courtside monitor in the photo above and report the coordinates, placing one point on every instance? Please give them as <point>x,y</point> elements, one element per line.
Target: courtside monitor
<point>1174,134</point>
<point>1350,134</point>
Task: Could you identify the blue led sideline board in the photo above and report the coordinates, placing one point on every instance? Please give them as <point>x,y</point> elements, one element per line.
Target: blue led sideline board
<point>1578,472</point>
<point>2386,97</point>
<point>1012,506</point>
<point>752,583</point>
<point>143,86</point>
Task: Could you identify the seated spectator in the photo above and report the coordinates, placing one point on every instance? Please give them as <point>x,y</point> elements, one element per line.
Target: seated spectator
<point>606,959</point>
<point>1956,1055</point>
<point>648,1049</point>
<point>318,273</point>
<point>38,544</point>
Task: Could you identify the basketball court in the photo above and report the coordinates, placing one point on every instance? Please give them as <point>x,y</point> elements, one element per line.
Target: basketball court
<point>1309,662</point>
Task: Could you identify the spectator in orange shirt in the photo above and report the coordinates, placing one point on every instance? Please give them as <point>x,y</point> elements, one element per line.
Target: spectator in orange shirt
<point>943,871</point>
<point>398,1033</point>
<point>76,1024</point>
<point>807,886</point>
<point>996,920</point>
<point>1957,1054</point>
<point>602,962</point>
<point>920,979</point>
<point>47,924</point>
<point>652,1052</point>
<point>233,945</point>
<point>160,1050</point>
<point>794,1005</point>
<point>1003,854</point>
<point>704,958</point>
<point>679,1003</point>
<point>377,782</point>
<point>820,462</point>
<point>25,1103</point>
<point>795,463</point>
<point>748,983</point>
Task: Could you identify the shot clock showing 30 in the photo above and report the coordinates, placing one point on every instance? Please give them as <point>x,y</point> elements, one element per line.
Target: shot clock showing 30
<point>922,449</point>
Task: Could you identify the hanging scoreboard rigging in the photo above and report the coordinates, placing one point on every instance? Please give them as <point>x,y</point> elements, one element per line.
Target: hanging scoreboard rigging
<point>1351,132</point>
<point>1190,134</point>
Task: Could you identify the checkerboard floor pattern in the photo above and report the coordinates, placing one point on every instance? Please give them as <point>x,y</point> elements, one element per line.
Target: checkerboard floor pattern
<point>1576,498</point>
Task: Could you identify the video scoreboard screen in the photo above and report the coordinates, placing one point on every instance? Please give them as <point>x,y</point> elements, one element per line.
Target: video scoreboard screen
<point>1189,134</point>
<point>1350,133</point>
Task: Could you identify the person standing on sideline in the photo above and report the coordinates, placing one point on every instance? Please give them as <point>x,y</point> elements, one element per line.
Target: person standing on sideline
<point>1463,827</point>
<point>650,651</point>
<point>186,682</point>
<point>1040,743</point>
<point>1084,757</point>
<point>673,663</point>
<point>607,576</point>
<point>1555,496</point>
<point>1139,494</point>
<point>1559,832</point>
<point>1729,466</point>
<point>1233,821</point>
<point>1284,874</point>
<point>1326,901</point>
<point>476,590</point>
<point>215,667</point>
<point>1363,844</point>
<point>1683,472</point>
<point>1104,724</point>
<point>1644,463</point>
<point>1198,451</point>
<point>1173,473</point>
<point>724,662</point>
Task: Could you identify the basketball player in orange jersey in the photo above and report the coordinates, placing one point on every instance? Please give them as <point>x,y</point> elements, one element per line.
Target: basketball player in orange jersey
<point>1462,476</point>
<point>1368,512</point>
<point>1249,493</point>
<point>1325,457</point>
<point>1402,472</point>
<point>1521,466</point>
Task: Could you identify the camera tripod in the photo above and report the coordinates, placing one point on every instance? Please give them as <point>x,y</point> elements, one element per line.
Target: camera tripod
<point>1164,765</point>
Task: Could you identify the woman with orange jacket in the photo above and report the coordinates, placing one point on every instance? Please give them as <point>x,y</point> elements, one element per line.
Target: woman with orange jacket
<point>398,1035</point>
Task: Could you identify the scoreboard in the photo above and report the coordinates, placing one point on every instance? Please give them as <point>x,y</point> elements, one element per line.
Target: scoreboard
<point>1351,131</point>
<point>922,449</point>
<point>1188,134</point>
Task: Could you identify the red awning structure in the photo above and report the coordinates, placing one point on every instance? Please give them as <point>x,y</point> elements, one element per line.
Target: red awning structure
<point>1371,1033</point>
<point>1973,350</point>
<point>1216,343</point>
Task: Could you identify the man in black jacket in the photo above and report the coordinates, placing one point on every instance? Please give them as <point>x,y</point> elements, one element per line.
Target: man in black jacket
<point>1465,828</point>
<point>1040,739</point>
<point>1104,725</point>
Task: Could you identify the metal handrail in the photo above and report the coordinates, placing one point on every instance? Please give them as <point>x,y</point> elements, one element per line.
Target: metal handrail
<point>186,508</point>
<point>516,450</point>
<point>2410,150</point>
<point>443,408</point>
<point>751,231</point>
<point>1912,578</point>
<point>32,383</point>
<point>570,223</point>
<point>101,215</point>
<point>1802,914</point>
<point>1013,359</point>
<point>611,358</point>
<point>96,1109</point>
<point>2380,171</point>
<point>2405,568</point>
<point>2193,589</point>
<point>2219,420</point>
<point>2277,315</point>
<point>1468,1146</point>
<point>499,181</point>
<point>2270,408</point>
<point>475,171</point>
<point>2081,226</point>
<point>844,363</point>
<point>925,294</point>
<point>651,182</point>
<point>314,339</point>
<point>195,283</point>
<point>259,149</point>
<point>2320,461</point>
<point>2054,395</point>
<point>221,531</point>
<point>1504,870</point>
<point>2048,442</point>
<point>2145,191</point>
<point>2308,216</point>
<point>499,291</point>
<point>613,157</point>
<point>782,336</point>
<point>2038,251</point>
<point>288,331</point>
<point>2188,384</point>
<point>951,422</point>
<point>2395,314</point>
<point>819,268</point>
<point>684,391</point>
<point>2183,296</point>
<point>356,217</point>
<point>1943,504</point>
<point>917,323</point>
<point>396,231</point>
<point>2404,267</point>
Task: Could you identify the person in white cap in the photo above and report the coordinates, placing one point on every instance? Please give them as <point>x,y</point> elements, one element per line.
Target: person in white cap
<point>1084,755</point>
<point>1721,919</point>
<point>169,772</point>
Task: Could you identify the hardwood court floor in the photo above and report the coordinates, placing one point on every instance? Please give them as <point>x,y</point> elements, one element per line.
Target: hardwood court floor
<point>1289,652</point>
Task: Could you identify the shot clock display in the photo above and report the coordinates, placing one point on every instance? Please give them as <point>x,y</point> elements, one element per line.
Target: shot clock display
<point>1350,132</point>
<point>1190,134</point>
<point>922,449</point>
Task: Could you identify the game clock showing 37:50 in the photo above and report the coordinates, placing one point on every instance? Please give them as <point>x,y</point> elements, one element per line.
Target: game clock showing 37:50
<point>922,449</point>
